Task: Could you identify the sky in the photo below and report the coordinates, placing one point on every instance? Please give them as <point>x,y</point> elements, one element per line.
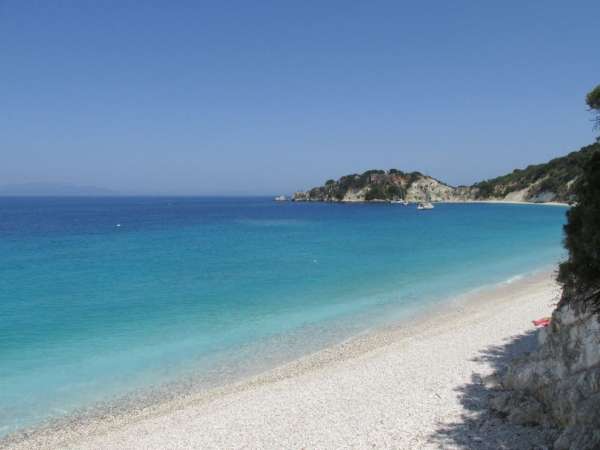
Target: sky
<point>269,97</point>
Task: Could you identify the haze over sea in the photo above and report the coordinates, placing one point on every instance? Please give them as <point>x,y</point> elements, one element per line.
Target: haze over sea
<point>101,297</point>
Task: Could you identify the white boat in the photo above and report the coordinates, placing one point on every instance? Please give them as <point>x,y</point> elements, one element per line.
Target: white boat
<point>398,202</point>
<point>280,198</point>
<point>425,205</point>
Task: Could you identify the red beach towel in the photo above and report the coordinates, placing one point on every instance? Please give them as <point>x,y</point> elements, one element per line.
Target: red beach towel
<point>543,322</point>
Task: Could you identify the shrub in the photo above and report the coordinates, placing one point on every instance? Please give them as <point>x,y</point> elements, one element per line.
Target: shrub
<point>593,101</point>
<point>375,192</point>
<point>581,271</point>
<point>394,192</point>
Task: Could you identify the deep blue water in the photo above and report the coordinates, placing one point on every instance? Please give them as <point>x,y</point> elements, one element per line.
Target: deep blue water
<point>90,310</point>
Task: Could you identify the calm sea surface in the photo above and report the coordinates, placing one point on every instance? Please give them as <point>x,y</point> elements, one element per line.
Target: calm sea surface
<point>101,297</point>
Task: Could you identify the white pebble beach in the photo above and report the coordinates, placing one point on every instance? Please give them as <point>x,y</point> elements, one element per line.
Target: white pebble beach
<point>413,386</point>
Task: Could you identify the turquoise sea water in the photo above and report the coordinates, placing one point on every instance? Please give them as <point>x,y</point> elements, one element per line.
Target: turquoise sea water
<point>206,287</point>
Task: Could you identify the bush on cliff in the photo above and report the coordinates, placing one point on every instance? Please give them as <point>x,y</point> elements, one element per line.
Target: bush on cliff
<point>376,192</point>
<point>581,271</point>
<point>582,232</point>
<point>593,101</point>
<point>554,176</point>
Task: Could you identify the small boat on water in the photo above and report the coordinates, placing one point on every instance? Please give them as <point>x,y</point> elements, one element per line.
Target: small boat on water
<point>425,205</point>
<point>402,202</point>
<point>281,198</point>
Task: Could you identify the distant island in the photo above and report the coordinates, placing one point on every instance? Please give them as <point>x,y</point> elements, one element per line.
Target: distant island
<point>53,189</point>
<point>553,181</point>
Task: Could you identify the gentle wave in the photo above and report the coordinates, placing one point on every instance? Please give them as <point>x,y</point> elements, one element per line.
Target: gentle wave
<point>211,290</point>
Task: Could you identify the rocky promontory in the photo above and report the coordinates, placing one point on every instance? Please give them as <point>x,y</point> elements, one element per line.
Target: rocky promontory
<point>380,185</point>
<point>553,181</point>
<point>558,384</point>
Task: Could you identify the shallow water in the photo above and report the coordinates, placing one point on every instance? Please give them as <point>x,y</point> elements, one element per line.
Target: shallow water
<point>211,287</point>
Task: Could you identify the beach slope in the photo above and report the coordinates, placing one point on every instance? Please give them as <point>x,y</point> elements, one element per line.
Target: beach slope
<point>418,385</point>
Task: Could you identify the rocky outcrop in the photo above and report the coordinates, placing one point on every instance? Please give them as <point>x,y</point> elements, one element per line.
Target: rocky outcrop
<point>429,189</point>
<point>378,185</point>
<point>558,385</point>
<point>553,181</point>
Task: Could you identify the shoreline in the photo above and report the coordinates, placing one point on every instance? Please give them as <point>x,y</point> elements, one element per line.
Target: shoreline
<point>511,202</point>
<point>450,202</point>
<point>471,307</point>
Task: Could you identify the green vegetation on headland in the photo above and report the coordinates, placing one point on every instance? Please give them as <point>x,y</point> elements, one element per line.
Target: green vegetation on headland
<point>574,178</point>
<point>581,272</point>
<point>373,185</point>
<point>552,181</point>
<point>556,386</point>
<point>582,232</point>
<point>593,101</point>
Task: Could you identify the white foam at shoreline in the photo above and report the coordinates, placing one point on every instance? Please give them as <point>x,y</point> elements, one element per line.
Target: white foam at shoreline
<point>347,350</point>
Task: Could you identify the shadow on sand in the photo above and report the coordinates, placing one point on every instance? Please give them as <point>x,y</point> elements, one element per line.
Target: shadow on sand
<point>479,428</point>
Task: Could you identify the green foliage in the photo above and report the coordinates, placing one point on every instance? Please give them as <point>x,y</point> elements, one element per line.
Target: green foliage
<point>370,176</point>
<point>394,192</point>
<point>368,173</point>
<point>581,271</point>
<point>486,188</point>
<point>551,184</point>
<point>395,172</point>
<point>557,176</point>
<point>375,192</point>
<point>414,176</point>
<point>554,176</point>
<point>593,98</point>
<point>381,185</point>
<point>353,181</point>
<point>593,101</point>
<point>384,191</point>
<point>582,232</point>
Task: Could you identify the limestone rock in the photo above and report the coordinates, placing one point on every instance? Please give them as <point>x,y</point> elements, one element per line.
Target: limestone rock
<point>558,385</point>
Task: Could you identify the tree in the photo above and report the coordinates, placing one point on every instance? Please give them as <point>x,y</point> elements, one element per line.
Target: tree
<point>593,101</point>
<point>581,271</point>
<point>582,232</point>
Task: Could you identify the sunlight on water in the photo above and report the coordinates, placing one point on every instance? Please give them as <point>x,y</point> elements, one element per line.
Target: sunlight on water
<point>102,296</point>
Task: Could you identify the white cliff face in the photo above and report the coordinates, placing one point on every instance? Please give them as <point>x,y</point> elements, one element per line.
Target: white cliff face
<point>416,187</point>
<point>421,189</point>
<point>429,189</point>
<point>357,195</point>
<point>517,196</point>
<point>559,384</point>
<point>554,181</point>
<point>542,197</point>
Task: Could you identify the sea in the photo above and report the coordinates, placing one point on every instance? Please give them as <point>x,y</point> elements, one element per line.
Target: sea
<point>109,298</point>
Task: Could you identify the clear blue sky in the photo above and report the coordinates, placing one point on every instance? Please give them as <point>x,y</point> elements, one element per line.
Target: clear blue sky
<point>271,96</point>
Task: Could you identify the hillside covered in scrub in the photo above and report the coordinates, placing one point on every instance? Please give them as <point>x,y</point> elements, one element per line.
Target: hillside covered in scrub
<point>547,182</point>
<point>551,181</point>
<point>380,185</point>
<point>557,386</point>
